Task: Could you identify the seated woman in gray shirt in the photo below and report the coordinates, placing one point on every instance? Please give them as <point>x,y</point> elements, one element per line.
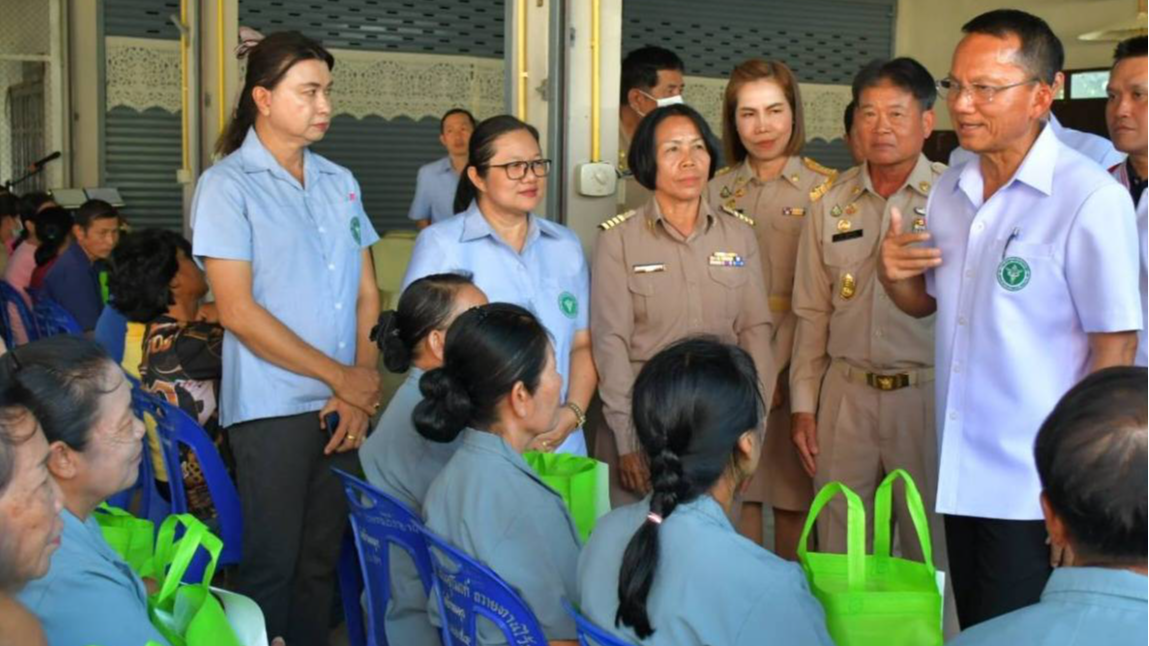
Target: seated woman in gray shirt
<point>498,389</point>
<point>396,458</point>
<point>670,569</point>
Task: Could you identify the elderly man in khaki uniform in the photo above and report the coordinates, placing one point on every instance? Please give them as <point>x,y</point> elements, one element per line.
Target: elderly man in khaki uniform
<point>862,374</point>
<point>659,276</point>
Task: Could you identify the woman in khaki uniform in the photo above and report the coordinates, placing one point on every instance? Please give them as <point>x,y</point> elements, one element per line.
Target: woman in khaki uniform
<point>768,182</point>
<point>672,269</point>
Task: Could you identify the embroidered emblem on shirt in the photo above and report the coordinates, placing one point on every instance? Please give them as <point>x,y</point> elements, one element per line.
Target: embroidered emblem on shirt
<point>725,193</point>
<point>851,209</point>
<point>355,229</point>
<point>836,211</point>
<point>352,196</point>
<point>726,259</point>
<point>1013,274</point>
<point>568,304</point>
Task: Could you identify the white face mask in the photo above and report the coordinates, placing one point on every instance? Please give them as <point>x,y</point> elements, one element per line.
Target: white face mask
<point>663,102</point>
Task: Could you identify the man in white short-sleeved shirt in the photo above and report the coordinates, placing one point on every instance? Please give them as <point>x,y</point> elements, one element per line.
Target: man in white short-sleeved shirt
<point>1128,121</point>
<point>1031,265</point>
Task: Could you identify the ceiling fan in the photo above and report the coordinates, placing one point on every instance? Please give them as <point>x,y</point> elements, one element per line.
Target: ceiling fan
<point>1121,30</point>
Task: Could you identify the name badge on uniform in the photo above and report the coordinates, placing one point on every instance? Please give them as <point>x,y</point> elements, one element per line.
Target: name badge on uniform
<point>726,259</point>
<point>847,235</point>
<point>649,269</point>
<point>794,211</point>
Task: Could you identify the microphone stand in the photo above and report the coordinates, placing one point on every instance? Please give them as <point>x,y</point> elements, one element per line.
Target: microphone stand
<point>29,175</point>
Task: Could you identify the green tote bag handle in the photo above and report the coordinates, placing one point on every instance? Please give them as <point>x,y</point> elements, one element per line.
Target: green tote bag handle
<point>855,533</point>
<point>179,554</point>
<point>883,502</point>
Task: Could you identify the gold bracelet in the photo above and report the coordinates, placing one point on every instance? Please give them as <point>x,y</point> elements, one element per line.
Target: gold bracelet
<point>580,416</point>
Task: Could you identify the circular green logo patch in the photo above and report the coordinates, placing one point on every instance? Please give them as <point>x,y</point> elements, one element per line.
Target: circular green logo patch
<point>355,229</point>
<point>1013,273</point>
<point>568,304</point>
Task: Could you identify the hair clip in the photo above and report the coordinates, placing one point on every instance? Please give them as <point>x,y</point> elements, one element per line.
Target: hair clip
<point>248,38</point>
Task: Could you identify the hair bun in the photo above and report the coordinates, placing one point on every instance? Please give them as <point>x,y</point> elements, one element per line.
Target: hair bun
<point>396,355</point>
<point>446,407</point>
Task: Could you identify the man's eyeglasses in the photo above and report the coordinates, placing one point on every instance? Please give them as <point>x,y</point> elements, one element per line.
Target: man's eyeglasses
<point>518,169</point>
<point>951,90</point>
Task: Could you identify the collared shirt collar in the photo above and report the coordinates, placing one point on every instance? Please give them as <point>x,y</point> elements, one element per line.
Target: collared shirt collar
<point>475,226</point>
<point>1036,170</point>
<point>89,533</point>
<point>1095,581</point>
<point>919,180</point>
<point>257,158</point>
<point>444,165</point>
<point>705,507</point>
<point>791,172</point>
<point>653,213</point>
<point>489,443</point>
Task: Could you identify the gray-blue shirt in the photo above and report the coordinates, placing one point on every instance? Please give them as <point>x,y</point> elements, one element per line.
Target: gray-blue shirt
<point>90,595</point>
<point>1080,606</point>
<point>711,586</point>
<point>435,187</point>
<point>490,504</point>
<point>304,243</point>
<point>403,463</point>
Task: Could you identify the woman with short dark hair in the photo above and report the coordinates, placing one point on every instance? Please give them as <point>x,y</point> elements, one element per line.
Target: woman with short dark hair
<point>675,268</point>
<point>671,569</point>
<point>497,391</point>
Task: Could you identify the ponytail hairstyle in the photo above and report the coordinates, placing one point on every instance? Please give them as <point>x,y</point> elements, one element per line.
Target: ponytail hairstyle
<point>481,150</point>
<point>268,62</point>
<point>691,404</point>
<point>424,307</point>
<point>53,226</point>
<point>488,350</point>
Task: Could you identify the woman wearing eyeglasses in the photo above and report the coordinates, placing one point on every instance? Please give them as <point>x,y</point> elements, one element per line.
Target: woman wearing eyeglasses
<point>515,256</point>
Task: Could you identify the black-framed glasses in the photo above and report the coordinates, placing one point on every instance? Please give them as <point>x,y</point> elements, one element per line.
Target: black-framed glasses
<point>951,90</point>
<point>518,169</point>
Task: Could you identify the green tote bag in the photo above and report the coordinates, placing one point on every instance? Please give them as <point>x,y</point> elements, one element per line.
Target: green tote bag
<point>582,482</point>
<point>132,538</point>
<point>188,614</point>
<point>875,600</point>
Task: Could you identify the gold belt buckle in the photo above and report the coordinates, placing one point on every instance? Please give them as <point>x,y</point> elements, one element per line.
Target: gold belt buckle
<point>887,382</point>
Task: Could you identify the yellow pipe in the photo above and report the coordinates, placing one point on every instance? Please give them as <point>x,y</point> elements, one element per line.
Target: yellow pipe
<point>185,116</point>
<point>595,81</point>
<point>220,99</point>
<point>521,54</point>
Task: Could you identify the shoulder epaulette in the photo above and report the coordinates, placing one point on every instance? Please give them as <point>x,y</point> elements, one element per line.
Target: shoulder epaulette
<point>818,168</point>
<point>740,215</point>
<point>818,191</point>
<point>938,167</point>
<point>723,171</point>
<point>616,220</point>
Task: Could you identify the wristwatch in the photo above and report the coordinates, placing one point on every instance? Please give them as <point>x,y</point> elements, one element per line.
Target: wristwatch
<point>580,416</point>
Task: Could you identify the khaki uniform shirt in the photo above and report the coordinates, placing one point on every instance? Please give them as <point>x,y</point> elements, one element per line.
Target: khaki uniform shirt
<point>842,310</point>
<point>779,207</point>
<point>631,194</point>
<point>650,287</point>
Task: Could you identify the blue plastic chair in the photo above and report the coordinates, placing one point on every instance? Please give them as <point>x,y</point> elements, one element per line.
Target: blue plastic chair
<point>378,521</point>
<point>351,590</point>
<point>10,299</point>
<point>472,590</point>
<point>53,319</point>
<point>589,634</point>
<point>175,427</point>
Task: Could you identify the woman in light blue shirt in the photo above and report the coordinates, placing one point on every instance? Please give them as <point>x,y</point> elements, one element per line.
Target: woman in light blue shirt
<point>496,392</point>
<point>670,569</point>
<point>518,257</point>
<point>83,402</point>
<point>396,458</point>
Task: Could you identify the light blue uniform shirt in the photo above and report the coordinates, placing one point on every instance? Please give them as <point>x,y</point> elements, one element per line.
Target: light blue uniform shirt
<point>304,244</point>
<point>549,278</point>
<point>1080,606</point>
<point>491,505</point>
<point>90,595</point>
<point>711,586</point>
<point>435,187</point>
<point>403,463</point>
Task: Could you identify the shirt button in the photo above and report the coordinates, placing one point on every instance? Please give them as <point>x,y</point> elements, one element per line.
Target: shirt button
<point>953,415</point>
<point>878,333</point>
<point>961,320</point>
<point>322,230</point>
<point>342,345</point>
<point>331,267</point>
<point>978,227</point>
<point>969,273</point>
<point>957,367</point>
<point>339,306</point>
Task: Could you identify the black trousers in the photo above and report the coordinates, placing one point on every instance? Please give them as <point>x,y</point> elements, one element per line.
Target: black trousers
<point>996,566</point>
<point>294,515</point>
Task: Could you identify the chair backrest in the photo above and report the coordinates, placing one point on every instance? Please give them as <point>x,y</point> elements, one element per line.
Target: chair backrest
<point>175,427</point>
<point>379,521</point>
<point>466,590</point>
<point>13,305</point>
<point>589,634</point>
<point>53,319</point>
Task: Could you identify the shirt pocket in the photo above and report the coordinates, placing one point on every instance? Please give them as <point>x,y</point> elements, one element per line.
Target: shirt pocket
<point>1028,272</point>
<point>642,288</point>
<point>728,285</point>
<point>781,248</point>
